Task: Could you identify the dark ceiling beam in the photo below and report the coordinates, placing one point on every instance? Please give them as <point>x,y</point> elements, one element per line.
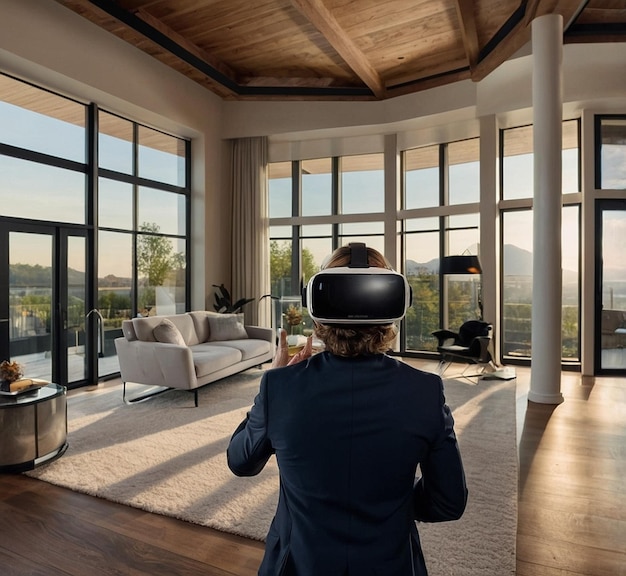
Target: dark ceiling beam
<point>190,47</point>
<point>516,32</point>
<point>326,24</point>
<point>161,35</point>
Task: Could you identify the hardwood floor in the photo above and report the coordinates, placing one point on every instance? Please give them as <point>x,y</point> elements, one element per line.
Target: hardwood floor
<point>572,506</point>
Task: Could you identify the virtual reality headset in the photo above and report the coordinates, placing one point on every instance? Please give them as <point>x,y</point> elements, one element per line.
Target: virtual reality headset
<point>357,294</point>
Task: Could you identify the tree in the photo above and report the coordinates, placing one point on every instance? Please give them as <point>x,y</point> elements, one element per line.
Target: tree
<point>280,261</point>
<point>156,258</point>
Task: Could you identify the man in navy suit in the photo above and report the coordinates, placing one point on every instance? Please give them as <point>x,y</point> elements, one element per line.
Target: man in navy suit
<point>349,427</point>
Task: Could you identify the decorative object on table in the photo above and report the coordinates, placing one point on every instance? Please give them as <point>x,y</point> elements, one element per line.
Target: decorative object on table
<point>293,317</point>
<point>12,382</point>
<point>223,302</point>
<point>10,371</point>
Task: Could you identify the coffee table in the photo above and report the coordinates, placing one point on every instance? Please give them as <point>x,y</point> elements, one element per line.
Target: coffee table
<point>33,426</point>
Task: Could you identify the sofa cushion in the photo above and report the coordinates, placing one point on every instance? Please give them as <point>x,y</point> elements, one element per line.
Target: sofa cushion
<point>167,332</point>
<point>249,348</point>
<point>201,324</point>
<point>144,327</point>
<point>225,327</point>
<point>208,358</point>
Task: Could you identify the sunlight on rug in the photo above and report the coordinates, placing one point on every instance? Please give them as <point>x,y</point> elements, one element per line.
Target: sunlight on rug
<point>168,457</point>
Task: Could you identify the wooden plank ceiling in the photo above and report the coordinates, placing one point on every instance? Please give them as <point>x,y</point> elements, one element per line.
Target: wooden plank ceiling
<point>340,49</point>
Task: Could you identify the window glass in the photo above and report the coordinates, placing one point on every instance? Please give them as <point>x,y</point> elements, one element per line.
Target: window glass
<point>517,259</point>
<point>161,157</point>
<point>280,189</point>
<point>316,246</point>
<point>613,154</point>
<point>421,177</point>
<point>371,233</point>
<point>570,253</point>
<point>361,228</point>
<point>280,232</point>
<point>115,204</point>
<point>517,168</point>
<point>115,272</point>
<point>161,274</point>
<point>517,283</point>
<point>517,171</point>
<point>37,120</point>
<point>280,267</point>
<point>464,300</point>
<point>463,234</point>
<point>421,224</point>
<point>115,143</point>
<point>421,268</point>
<point>362,184</point>
<point>41,192</point>
<point>464,171</point>
<point>163,210</point>
<point>570,158</point>
<point>316,187</point>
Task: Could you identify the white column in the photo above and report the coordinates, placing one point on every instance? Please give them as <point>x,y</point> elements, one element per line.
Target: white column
<point>489,226</point>
<point>547,46</point>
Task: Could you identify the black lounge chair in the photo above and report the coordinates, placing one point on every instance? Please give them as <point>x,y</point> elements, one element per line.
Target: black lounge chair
<point>470,345</point>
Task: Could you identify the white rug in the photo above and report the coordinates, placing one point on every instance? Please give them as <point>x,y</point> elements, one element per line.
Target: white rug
<point>168,457</point>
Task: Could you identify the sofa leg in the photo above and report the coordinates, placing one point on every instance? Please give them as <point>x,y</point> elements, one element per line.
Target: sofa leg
<point>195,397</point>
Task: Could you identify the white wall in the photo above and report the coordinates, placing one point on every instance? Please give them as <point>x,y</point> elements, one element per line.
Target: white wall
<point>594,75</point>
<point>51,46</point>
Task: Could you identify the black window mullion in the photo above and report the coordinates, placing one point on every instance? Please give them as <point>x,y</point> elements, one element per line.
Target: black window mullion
<point>335,199</point>
<point>296,201</point>
<point>135,169</point>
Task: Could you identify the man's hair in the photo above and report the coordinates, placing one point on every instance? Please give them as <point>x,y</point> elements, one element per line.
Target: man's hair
<point>356,340</point>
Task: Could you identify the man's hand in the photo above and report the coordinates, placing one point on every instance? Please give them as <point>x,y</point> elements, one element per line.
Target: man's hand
<point>281,358</point>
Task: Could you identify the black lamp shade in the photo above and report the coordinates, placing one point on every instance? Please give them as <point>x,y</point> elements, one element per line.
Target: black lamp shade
<point>460,265</point>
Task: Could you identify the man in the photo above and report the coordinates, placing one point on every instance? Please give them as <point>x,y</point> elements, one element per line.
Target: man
<point>349,427</point>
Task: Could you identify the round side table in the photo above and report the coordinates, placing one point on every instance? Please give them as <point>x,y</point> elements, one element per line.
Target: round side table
<point>33,426</point>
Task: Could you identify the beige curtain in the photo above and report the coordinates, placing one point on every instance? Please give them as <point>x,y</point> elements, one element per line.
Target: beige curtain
<point>250,234</point>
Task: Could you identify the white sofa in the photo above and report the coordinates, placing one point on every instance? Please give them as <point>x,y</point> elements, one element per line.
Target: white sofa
<point>187,351</point>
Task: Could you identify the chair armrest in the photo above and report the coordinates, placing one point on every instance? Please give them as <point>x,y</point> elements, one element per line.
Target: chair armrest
<point>444,335</point>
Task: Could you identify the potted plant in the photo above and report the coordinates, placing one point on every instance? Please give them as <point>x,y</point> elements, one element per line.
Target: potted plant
<point>223,303</point>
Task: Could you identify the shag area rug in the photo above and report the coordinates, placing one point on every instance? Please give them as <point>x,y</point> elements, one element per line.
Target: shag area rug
<point>168,457</point>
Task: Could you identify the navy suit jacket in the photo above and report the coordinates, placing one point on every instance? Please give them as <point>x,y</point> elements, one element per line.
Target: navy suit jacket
<point>348,434</point>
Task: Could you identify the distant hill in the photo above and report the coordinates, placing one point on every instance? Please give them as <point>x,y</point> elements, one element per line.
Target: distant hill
<point>517,262</point>
<point>28,275</point>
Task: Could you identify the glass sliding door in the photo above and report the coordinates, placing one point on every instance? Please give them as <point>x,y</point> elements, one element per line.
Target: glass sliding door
<point>610,287</point>
<point>43,302</point>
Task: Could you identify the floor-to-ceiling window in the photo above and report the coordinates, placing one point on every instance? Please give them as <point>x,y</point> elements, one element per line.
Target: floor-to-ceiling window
<point>93,230</point>
<point>517,242</point>
<point>315,206</point>
<point>610,224</point>
<point>440,195</point>
<point>143,208</point>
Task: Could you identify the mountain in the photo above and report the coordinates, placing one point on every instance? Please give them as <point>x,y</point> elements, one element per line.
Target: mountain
<point>517,262</point>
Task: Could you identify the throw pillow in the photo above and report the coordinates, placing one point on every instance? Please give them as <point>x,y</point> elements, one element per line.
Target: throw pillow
<point>167,332</point>
<point>226,327</point>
